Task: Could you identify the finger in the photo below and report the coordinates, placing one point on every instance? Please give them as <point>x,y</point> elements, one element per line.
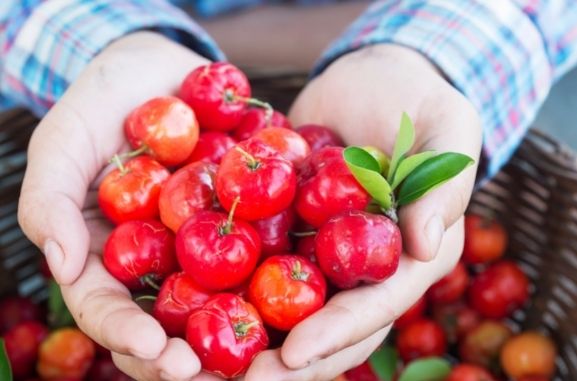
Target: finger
<point>424,222</point>
<point>102,308</point>
<point>353,315</point>
<point>269,365</point>
<point>176,362</point>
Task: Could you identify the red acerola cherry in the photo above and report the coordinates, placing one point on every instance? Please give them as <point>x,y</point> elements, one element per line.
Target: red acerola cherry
<point>226,334</point>
<point>218,252</point>
<point>255,119</point>
<point>178,297</point>
<point>469,372</point>
<point>131,191</point>
<point>319,136</point>
<point>356,247</point>
<point>212,145</point>
<point>140,251</point>
<point>285,289</point>
<point>288,143</point>
<point>264,181</point>
<point>22,343</point>
<point>499,290</point>
<point>327,188</point>
<point>422,338</point>
<point>485,240</point>
<point>217,92</point>
<point>165,127</point>
<point>15,310</point>
<point>451,287</point>
<point>274,232</point>
<point>187,191</point>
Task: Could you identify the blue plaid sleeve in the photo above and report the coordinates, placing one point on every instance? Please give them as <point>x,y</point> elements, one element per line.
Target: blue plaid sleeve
<point>503,56</point>
<point>46,44</point>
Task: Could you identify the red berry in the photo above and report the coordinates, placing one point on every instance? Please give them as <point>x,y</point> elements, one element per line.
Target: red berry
<point>254,120</point>
<point>15,310</point>
<point>260,176</point>
<point>139,251</point>
<point>457,319</point>
<point>226,334</point>
<point>131,193</point>
<point>288,143</point>
<point>451,287</point>
<point>414,313</point>
<point>166,127</point>
<point>285,289</point>
<point>327,188</point>
<point>422,338</point>
<point>66,354</point>
<point>363,372</point>
<point>274,232</point>
<point>356,247</point>
<point>177,298</point>
<point>469,372</point>
<point>217,253</point>
<point>319,136</point>
<point>187,191</point>
<point>212,145</point>
<point>22,342</point>
<point>485,240</point>
<point>217,93</point>
<point>499,290</point>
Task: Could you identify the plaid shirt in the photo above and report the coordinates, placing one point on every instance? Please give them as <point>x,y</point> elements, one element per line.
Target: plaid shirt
<point>504,55</point>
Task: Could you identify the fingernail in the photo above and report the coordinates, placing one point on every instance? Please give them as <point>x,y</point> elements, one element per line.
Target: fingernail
<point>434,231</point>
<point>54,256</point>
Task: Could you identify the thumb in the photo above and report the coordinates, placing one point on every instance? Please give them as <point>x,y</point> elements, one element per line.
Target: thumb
<point>424,222</point>
<point>53,193</point>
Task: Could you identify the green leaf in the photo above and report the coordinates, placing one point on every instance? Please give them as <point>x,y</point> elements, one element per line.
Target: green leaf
<point>5,370</point>
<point>427,369</point>
<point>58,314</point>
<point>366,171</point>
<point>408,164</point>
<point>384,362</point>
<point>430,174</point>
<point>403,143</point>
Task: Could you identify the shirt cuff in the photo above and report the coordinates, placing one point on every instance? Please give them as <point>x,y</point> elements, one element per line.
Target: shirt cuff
<point>59,38</point>
<point>492,53</point>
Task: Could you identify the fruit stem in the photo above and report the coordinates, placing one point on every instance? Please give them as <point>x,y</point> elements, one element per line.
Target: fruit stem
<point>391,213</point>
<point>149,280</point>
<point>145,297</point>
<point>230,96</point>
<point>118,162</point>
<point>253,163</point>
<point>242,328</point>
<point>228,226</point>
<point>297,272</point>
<point>142,149</point>
<point>303,234</point>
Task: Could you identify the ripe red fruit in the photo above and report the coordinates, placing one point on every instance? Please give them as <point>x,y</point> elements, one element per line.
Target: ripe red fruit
<point>22,342</point>
<point>363,372</point>
<point>103,369</point>
<point>285,289</point>
<point>288,143</point>
<point>188,190</point>
<point>217,252</point>
<point>165,127</point>
<point>469,372</point>
<point>327,187</point>
<point>414,313</point>
<point>451,287</point>
<point>15,310</point>
<point>217,93</point>
<point>499,290</point>
<point>260,176</point>
<point>226,334</point>
<point>529,354</point>
<point>422,338</point>
<point>319,136</point>
<point>483,344</point>
<point>485,240</point>
<point>131,192</point>
<point>212,145</point>
<point>137,252</point>
<point>274,232</point>
<point>457,319</point>
<point>356,247</point>
<point>255,119</point>
<point>66,353</point>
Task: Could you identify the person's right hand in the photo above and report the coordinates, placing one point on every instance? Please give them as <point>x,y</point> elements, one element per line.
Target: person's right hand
<point>58,209</point>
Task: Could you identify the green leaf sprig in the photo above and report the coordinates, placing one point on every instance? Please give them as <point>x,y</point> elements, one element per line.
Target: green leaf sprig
<point>5,370</point>
<point>426,369</point>
<point>408,177</point>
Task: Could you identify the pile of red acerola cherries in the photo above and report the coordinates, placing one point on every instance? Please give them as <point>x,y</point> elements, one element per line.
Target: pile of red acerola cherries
<point>462,328</point>
<point>244,224</point>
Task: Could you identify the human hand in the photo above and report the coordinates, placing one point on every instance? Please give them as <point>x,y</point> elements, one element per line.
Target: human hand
<point>362,96</point>
<point>58,211</point>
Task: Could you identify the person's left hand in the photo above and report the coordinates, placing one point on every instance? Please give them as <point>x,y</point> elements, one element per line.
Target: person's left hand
<point>362,96</point>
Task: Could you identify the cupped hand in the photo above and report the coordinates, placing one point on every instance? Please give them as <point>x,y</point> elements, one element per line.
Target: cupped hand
<point>362,95</point>
<point>67,157</point>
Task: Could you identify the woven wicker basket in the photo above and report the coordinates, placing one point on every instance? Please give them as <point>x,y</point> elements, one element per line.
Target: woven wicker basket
<point>535,196</point>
